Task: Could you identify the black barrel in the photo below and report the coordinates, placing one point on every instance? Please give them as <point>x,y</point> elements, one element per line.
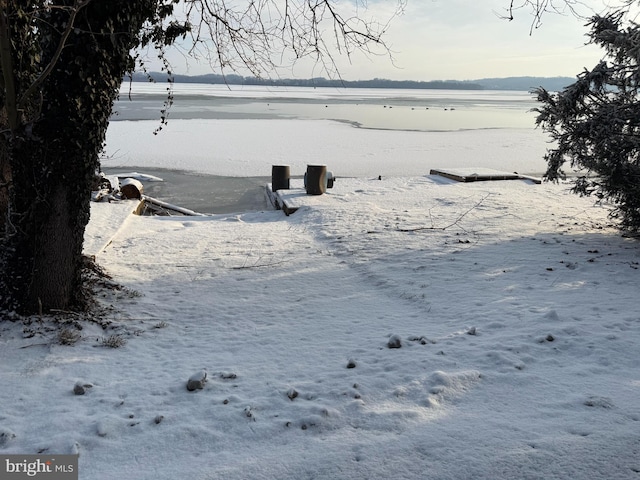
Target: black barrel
<point>316,179</point>
<point>280,175</point>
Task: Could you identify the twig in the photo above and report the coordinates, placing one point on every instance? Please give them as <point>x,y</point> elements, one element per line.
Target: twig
<point>243,267</point>
<point>418,229</point>
<point>34,345</point>
<point>55,311</point>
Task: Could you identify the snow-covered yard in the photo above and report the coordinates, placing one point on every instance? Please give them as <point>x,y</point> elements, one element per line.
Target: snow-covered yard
<point>514,307</point>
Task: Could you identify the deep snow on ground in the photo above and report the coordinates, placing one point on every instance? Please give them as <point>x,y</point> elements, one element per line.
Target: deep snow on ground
<point>515,306</point>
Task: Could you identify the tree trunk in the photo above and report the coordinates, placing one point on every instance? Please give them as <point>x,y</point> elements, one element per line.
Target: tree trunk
<point>59,286</point>
<point>45,266</point>
<point>53,159</point>
<point>49,209</point>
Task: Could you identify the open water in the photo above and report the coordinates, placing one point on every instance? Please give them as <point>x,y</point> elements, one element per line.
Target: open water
<point>203,193</point>
<point>389,109</point>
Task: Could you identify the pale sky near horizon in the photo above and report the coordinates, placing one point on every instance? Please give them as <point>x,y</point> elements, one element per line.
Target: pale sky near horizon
<point>462,40</point>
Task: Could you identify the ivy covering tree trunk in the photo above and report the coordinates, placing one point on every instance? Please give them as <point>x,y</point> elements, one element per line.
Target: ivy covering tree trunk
<point>50,161</point>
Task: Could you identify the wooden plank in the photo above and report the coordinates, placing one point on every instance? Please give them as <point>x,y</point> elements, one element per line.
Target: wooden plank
<point>535,180</point>
<point>166,206</point>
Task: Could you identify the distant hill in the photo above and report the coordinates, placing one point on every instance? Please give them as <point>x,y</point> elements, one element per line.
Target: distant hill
<point>510,83</point>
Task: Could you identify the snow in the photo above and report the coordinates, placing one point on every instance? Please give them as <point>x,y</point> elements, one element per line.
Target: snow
<point>514,306</point>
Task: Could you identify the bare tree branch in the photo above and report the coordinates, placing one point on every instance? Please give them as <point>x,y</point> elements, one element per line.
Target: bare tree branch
<point>259,36</point>
<point>541,8</point>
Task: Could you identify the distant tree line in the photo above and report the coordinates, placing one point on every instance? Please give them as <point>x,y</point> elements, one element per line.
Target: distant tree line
<point>510,83</point>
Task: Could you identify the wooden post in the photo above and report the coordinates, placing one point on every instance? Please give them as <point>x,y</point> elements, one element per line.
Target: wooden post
<point>316,179</point>
<point>280,175</point>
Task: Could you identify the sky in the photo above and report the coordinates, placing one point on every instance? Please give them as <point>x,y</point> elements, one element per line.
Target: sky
<point>457,39</point>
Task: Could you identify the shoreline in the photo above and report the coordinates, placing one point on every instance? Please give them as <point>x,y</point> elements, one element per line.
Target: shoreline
<point>219,194</point>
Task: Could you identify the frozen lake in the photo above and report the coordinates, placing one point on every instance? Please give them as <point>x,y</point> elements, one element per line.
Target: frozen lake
<point>229,137</point>
<point>395,109</point>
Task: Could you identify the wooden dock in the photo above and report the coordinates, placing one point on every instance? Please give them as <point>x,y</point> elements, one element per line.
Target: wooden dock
<point>289,201</point>
<point>480,175</point>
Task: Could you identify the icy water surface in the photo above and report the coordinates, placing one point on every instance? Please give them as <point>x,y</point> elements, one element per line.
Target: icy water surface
<point>388,109</point>
<point>203,193</point>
